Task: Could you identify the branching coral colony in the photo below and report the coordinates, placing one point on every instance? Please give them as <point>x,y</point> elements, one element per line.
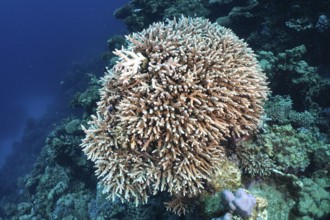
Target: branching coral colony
<point>178,91</point>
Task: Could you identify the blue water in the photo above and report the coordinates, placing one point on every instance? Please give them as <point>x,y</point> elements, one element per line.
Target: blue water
<point>39,42</point>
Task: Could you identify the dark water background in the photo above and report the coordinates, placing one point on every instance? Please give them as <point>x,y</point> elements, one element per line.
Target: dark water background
<point>39,41</point>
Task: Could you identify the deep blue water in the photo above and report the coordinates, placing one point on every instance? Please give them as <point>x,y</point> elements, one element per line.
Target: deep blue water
<point>39,42</point>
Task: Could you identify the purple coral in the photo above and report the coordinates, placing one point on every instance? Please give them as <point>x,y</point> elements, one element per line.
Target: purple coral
<point>244,203</point>
<point>241,202</point>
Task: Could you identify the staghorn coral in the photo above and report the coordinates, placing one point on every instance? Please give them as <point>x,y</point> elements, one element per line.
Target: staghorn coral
<point>253,160</point>
<point>179,205</point>
<point>178,91</point>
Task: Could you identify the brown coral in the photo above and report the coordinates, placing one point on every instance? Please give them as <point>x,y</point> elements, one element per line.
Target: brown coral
<point>178,91</point>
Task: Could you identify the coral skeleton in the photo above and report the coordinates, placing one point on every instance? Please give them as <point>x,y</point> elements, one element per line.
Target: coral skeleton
<point>179,90</point>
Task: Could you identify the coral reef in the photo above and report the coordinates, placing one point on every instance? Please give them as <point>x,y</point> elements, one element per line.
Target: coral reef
<point>25,154</point>
<point>195,8</point>
<point>140,14</point>
<point>285,166</point>
<point>299,24</point>
<point>314,199</point>
<point>279,111</point>
<point>61,185</point>
<point>283,148</point>
<point>167,105</point>
<point>291,149</point>
<point>88,98</point>
<point>290,74</point>
<point>279,201</point>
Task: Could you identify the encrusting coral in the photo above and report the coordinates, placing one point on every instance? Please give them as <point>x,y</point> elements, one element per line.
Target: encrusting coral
<point>177,92</point>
